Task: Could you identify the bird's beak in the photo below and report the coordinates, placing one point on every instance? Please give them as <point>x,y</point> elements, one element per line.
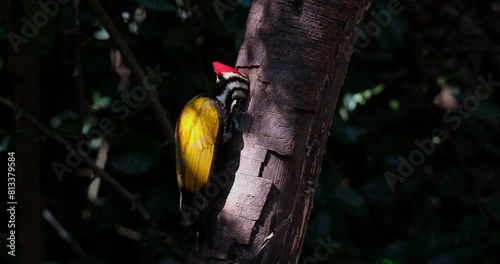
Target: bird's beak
<point>239,94</point>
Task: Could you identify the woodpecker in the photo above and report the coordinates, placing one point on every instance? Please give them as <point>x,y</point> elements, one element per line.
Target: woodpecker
<point>204,124</point>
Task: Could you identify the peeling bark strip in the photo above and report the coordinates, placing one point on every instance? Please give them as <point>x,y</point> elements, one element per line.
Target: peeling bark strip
<point>296,54</point>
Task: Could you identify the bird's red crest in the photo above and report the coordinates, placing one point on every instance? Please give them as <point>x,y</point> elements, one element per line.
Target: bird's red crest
<point>220,68</point>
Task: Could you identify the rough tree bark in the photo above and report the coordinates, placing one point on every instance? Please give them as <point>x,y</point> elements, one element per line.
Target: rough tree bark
<point>296,54</point>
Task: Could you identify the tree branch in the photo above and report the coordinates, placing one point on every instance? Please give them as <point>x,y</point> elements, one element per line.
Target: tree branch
<point>136,69</point>
<point>116,186</point>
<point>65,235</point>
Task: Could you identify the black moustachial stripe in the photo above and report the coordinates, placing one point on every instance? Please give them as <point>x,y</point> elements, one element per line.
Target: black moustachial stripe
<point>224,82</point>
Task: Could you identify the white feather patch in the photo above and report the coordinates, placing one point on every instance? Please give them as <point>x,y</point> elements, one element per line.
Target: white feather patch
<point>228,75</point>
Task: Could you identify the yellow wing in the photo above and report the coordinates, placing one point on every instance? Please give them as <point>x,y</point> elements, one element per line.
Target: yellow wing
<point>196,137</point>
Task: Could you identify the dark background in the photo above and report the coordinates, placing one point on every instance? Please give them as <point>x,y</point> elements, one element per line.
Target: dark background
<point>407,78</point>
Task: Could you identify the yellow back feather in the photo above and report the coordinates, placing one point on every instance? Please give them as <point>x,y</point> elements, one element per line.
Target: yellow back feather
<point>196,137</point>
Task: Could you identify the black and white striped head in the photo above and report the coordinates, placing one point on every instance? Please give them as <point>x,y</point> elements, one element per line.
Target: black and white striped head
<point>231,84</point>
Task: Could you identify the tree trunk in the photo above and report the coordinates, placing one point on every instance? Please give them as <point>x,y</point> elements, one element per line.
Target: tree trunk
<point>24,70</point>
<point>296,54</point>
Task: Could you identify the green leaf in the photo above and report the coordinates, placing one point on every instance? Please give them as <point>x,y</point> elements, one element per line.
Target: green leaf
<point>99,101</point>
<point>5,143</point>
<point>134,153</point>
<point>343,132</point>
<point>385,261</point>
<point>133,163</point>
<point>101,34</point>
<point>394,104</point>
<point>397,250</point>
<point>391,33</point>
<point>459,254</point>
<point>9,141</point>
<point>88,123</point>
<point>3,32</point>
<point>486,110</point>
<point>71,130</point>
<point>62,118</point>
<point>349,200</point>
<point>375,190</point>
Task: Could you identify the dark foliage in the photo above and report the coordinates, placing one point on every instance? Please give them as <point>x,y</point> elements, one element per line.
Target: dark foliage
<point>410,97</point>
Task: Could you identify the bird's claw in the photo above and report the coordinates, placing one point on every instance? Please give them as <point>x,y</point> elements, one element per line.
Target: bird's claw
<point>227,136</point>
<point>236,125</point>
